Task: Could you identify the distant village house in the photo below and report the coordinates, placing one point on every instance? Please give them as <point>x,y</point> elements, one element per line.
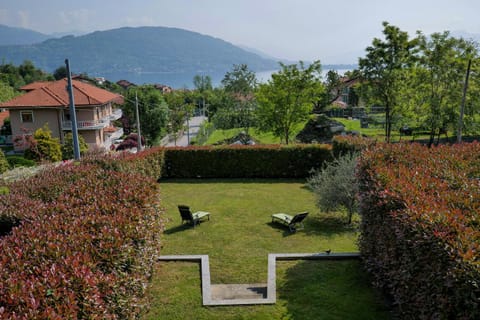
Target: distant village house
<point>48,103</point>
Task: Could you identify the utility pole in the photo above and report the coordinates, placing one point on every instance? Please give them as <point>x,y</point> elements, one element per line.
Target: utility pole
<point>139,135</point>
<point>462,106</point>
<point>73,116</point>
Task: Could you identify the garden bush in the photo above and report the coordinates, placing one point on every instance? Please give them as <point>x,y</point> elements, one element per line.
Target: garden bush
<point>265,161</point>
<point>342,145</point>
<point>18,161</point>
<point>148,162</point>
<point>335,185</point>
<point>3,162</point>
<point>85,247</point>
<point>420,230</point>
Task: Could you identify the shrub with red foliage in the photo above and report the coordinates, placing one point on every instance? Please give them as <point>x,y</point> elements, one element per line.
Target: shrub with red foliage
<point>347,144</point>
<point>84,247</point>
<point>148,162</point>
<point>420,227</point>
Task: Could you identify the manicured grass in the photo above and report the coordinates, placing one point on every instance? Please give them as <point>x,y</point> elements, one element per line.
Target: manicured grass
<point>261,137</point>
<point>239,237</point>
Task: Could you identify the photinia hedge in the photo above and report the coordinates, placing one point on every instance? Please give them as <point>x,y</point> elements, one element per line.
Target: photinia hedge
<point>148,162</point>
<point>348,144</point>
<point>420,230</point>
<point>261,161</point>
<point>82,245</point>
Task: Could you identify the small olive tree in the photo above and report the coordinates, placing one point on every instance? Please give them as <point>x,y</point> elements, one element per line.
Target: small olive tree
<point>336,186</point>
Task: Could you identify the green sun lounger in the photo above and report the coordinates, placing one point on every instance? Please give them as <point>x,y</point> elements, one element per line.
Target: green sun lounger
<point>293,223</point>
<point>193,218</point>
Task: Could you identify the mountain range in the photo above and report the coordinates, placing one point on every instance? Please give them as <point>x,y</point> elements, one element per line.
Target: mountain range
<point>150,50</point>
<point>142,55</point>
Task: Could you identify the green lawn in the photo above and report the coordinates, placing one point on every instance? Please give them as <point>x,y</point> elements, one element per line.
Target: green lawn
<point>238,238</point>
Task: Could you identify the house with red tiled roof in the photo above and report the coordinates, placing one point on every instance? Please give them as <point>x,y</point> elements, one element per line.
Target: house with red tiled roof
<point>48,102</point>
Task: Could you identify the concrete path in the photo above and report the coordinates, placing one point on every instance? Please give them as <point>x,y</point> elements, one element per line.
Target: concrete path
<point>194,126</point>
<point>249,294</point>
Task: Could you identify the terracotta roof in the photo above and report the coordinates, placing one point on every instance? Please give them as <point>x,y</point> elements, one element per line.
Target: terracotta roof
<point>54,94</point>
<point>34,85</point>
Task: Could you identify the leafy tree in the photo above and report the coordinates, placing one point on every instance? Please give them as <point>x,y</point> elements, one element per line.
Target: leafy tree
<point>67,146</point>
<point>439,80</point>
<point>152,109</point>
<point>179,106</point>
<point>287,99</point>
<point>203,86</point>
<point>42,146</point>
<point>6,92</point>
<point>3,162</point>
<point>335,186</point>
<point>240,80</point>
<point>60,73</point>
<point>386,69</point>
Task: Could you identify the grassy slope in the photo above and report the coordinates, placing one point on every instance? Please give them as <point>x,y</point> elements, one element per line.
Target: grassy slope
<point>238,239</point>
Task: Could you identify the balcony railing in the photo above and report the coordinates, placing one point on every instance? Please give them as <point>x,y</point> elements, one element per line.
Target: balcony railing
<point>85,124</point>
<point>116,114</point>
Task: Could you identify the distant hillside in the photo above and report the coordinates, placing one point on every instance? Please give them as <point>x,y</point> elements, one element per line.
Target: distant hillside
<point>143,50</point>
<point>18,36</point>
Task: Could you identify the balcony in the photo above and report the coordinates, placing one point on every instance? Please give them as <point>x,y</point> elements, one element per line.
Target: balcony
<point>85,125</point>
<point>116,114</point>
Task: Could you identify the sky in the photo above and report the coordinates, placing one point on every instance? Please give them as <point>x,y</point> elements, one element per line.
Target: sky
<point>330,31</point>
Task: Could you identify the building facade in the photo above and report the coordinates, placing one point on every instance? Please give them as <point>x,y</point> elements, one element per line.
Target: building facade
<point>49,103</point>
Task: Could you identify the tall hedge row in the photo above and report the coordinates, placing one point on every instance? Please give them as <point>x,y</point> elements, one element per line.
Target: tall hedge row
<point>272,161</point>
<point>82,246</point>
<point>420,230</point>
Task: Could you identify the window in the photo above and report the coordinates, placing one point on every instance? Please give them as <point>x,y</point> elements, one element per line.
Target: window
<point>26,116</point>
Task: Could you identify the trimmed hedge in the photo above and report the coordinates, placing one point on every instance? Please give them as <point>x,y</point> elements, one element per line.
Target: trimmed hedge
<point>420,227</point>
<point>83,243</point>
<point>347,144</point>
<point>148,162</point>
<point>272,161</point>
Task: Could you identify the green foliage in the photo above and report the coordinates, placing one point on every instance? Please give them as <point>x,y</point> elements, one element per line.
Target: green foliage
<point>287,99</point>
<point>3,162</point>
<point>6,92</point>
<point>95,231</point>
<point>42,146</point>
<point>342,145</point>
<point>153,111</point>
<point>60,73</point>
<point>336,186</point>
<point>439,79</point>
<point>259,161</point>
<point>18,161</point>
<point>385,70</point>
<point>420,232</point>
<point>67,146</point>
<point>178,108</point>
<point>240,80</point>
<point>25,73</point>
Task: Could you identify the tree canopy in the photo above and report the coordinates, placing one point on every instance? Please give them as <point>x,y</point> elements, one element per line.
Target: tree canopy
<point>287,99</point>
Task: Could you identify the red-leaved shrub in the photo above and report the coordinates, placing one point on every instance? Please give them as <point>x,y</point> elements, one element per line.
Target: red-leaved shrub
<point>84,246</point>
<point>420,231</point>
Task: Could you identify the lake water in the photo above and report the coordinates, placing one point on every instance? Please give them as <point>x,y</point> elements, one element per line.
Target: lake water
<point>183,80</point>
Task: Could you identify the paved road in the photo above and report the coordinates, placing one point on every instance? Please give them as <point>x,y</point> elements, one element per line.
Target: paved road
<point>194,125</point>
